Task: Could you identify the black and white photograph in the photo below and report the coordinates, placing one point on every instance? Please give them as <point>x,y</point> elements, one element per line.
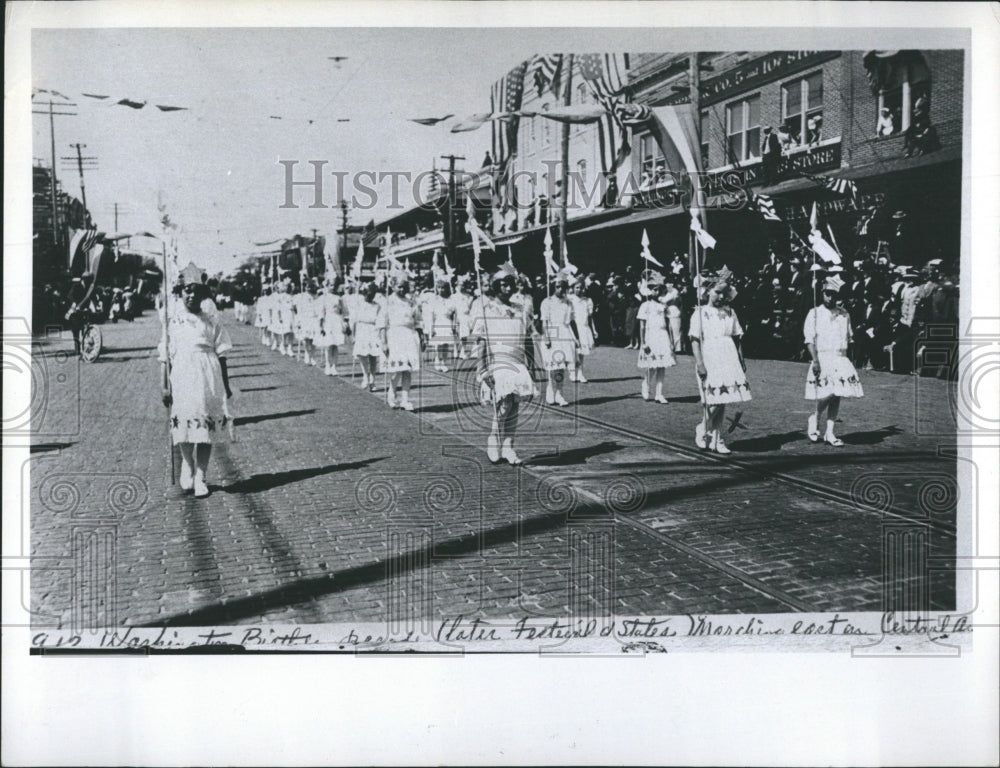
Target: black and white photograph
<point>334,339</point>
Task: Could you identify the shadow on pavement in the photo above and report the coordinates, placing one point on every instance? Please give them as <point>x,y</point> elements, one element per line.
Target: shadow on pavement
<point>268,480</point>
<point>45,447</point>
<point>574,456</point>
<point>243,420</point>
<point>874,437</point>
<point>767,442</point>
<point>249,375</point>
<point>607,399</point>
<point>257,389</point>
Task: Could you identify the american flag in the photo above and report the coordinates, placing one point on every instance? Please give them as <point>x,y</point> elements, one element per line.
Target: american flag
<point>607,76</point>
<point>764,205</point>
<point>545,71</point>
<point>81,241</point>
<point>505,99</point>
<point>837,186</point>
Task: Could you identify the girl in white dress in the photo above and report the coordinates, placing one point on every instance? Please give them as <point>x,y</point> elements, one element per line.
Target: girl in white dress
<point>397,325</point>
<point>443,325</point>
<point>583,317</point>
<point>306,323</point>
<point>557,344</point>
<point>674,319</point>
<point>828,337</point>
<point>499,329</point>
<point>463,306</point>
<point>715,341</point>
<point>282,318</point>
<point>656,348</point>
<point>330,319</point>
<point>197,388</point>
<point>367,347</point>
<point>260,313</point>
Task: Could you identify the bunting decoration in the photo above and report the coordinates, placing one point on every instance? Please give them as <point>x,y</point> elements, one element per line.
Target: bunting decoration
<point>505,100</point>
<point>430,120</point>
<point>545,71</point>
<point>762,204</point>
<point>837,186</point>
<point>607,76</point>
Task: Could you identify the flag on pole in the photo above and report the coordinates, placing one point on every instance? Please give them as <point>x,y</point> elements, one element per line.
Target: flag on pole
<point>472,225</point>
<point>80,243</point>
<point>646,254</point>
<point>551,268</point>
<point>764,205</point>
<point>706,240</point>
<point>568,267</point>
<point>356,267</point>
<point>821,247</point>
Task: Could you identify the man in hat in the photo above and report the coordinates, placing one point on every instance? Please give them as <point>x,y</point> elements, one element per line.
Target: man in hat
<point>831,376</point>
<point>498,328</point>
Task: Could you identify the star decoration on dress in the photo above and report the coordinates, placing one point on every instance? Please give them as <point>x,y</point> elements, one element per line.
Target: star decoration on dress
<point>175,421</point>
<point>710,389</point>
<point>723,389</point>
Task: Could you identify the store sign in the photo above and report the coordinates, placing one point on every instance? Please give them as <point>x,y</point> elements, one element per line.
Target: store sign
<point>764,69</point>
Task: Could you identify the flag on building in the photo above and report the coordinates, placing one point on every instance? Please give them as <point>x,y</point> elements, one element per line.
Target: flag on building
<point>763,204</point>
<point>505,103</point>
<point>607,75</point>
<point>545,72</point>
<point>837,186</point>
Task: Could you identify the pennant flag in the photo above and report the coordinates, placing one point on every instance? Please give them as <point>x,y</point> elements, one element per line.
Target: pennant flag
<point>168,108</point>
<point>472,225</point>
<point>646,254</point>
<point>471,123</point>
<point>506,96</point>
<point>568,267</point>
<point>447,267</point>
<point>764,205</point>
<point>131,103</point>
<point>94,96</point>
<point>429,120</point>
<point>573,113</point>
<point>821,247</point>
<point>358,259</point>
<point>550,266</point>
<point>545,71</point>
<point>837,186</point>
<point>706,240</point>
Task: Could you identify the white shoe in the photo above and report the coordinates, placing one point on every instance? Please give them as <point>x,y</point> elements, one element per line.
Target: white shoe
<point>560,400</point>
<point>718,444</point>
<point>550,397</point>
<point>831,439</point>
<point>572,375</point>
<point>444,368</point>
<point>812,430</point>
<point>661,399</point>
<point>333,371</point>
<point>200,488</point>
<point>405,403</point>
<point>390,399</point>
<point>492,448</point>
<point>700,437</point>
<point>508,454</point>
<point>186,480</point>
<point>645,389</point>
<point>581,379</point>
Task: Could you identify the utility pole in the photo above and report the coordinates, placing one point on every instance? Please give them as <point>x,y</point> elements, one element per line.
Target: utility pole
<point>343,223</point>
<point>567,99</point>
<point>694,86</point>
<point>116,217</point>
<point>56,239</point>
<point>449,231</point>
<point>79,167</point>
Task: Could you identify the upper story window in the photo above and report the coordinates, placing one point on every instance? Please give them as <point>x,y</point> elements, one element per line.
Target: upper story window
<point>743,129</point>
<point>546,125</point>
<point>652,166</point>
<point>582,94</point>
<point>703,137</point>
<point>901,81</point>
<point>802,111</point>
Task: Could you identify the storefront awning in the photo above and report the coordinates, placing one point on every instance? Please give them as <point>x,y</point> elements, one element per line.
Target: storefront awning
<point>638,217</point>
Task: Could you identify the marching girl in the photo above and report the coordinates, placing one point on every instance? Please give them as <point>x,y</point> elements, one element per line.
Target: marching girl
<point>197,388</point>
<point>656,344</point>
<point>715,341</point>
<point>583,317</point>
<point>442,326</point>
<point>367,347</point>
<point>283,317</point>
<point>330,321</point>
<point>674,316</point>
<point>498,331</point>
<point>831,376</point>
<point>558,344</point>
<point>305,319</point>
<point>260,313</point>
<point>463,306</point>
<point>397,327</point>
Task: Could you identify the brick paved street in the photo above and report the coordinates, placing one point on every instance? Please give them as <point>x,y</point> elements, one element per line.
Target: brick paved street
<point>332,507</point>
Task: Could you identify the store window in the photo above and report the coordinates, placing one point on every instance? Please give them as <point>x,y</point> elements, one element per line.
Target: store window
<point>802,111</point>
<point>743,129</point>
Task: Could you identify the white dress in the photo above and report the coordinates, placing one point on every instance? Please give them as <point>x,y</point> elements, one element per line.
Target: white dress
<point>364,315</point>
<point>504,327</point>
<point>831,332</point>
<point>443,322</point>
<point>399,318</point>
<point>463,305</point>
<point>560,353</point>
<point>661,351</point>
<point>583,310</point>
<point>330,320</point>
<point>716,328</point>
<point>260,312</point>
<point>281,315</point>
<point>199,413</point>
